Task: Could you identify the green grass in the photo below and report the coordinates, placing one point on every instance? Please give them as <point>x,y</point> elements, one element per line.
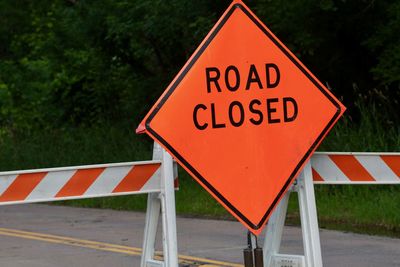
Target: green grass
<point>73,146</point>
<point>360,209</point>
<point>366,209</point>
<point>374,132</point>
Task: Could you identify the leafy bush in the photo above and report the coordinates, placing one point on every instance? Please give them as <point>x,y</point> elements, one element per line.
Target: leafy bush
<point>79,63</point>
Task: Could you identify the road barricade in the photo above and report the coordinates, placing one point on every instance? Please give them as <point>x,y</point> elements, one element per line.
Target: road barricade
<point>339,168</point>
<point>157,178</point>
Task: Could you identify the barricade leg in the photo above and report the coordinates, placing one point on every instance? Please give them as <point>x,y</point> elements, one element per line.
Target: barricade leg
<point>274,231</point>
<point>150,231</point>
<point>309,220</point>
<point>170,245</point>
<point>309,224</point>
<point>163,202</point>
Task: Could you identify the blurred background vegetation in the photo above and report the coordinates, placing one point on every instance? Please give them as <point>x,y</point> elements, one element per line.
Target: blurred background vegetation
<point>76,77</point>
<point>77,63</point>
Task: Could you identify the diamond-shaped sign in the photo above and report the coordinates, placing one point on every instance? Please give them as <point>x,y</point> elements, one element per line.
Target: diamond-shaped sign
<point>243,116</point>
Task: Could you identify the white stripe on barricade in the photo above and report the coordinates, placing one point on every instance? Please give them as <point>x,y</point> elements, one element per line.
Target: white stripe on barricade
<point>50,185</point>
<point>326,168</point>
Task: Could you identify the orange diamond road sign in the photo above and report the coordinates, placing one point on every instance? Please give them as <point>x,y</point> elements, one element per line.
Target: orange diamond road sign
<point>243,116</point>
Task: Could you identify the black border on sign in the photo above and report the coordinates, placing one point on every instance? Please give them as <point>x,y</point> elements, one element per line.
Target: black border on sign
<point>183,74</point>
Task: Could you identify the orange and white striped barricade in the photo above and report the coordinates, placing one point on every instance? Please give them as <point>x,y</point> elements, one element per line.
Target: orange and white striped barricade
<point>324,168</point>
<point>155,177</point>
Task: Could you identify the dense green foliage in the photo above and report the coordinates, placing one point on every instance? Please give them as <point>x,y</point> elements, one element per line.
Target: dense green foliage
<point>74,62</point>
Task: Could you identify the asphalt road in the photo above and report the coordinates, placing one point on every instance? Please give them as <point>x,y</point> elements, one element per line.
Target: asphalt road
<point>42,235</point>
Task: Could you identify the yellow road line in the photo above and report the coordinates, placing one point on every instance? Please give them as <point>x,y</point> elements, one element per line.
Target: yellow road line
<point>108,247</point>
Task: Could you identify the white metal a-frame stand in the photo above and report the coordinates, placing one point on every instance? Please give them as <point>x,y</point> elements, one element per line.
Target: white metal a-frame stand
<point>163,203</point>
<point>309,225</point>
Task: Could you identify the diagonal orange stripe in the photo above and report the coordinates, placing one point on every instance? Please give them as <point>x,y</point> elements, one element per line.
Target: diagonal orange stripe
<point>22,186</point>
<point>136,178</point>
<point>350,166</point>
<point>393,163</point>
<point>316,176</point>
<point>79,182</point>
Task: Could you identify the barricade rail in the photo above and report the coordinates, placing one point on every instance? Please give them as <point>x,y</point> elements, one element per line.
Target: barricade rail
<point>355,168</point>
<point>78,182</point>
